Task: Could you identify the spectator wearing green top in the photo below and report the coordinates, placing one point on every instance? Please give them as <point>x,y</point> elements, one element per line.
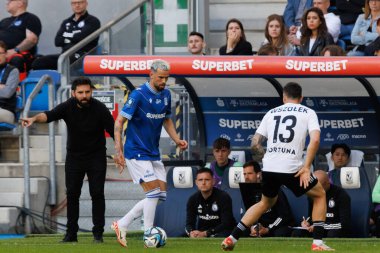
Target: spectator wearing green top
<point>221,150</point>
<point>376,203</point>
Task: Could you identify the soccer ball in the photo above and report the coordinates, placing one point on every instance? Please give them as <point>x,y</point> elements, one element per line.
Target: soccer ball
<point>154,237</point>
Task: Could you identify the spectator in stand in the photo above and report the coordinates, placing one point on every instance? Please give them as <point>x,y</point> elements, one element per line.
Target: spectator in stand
<point>348,11</point>
<point>20,33</point>
<point>209,211</point>
<point>376,202</point>
<point>332,50</point>
<point>9,79</point>
<point>72,30</point>
<point>372,48</point>
<point>364,31</point>
<point>236,42</point>
<point>221,150</point>
<point>196,44</point>
<point>332,21</point>
<point>338,215</point>
<point>267,49</point>
<point>276,221</point>
<point>276,35</point>
<point>314,34</point>
<point>293,13</point>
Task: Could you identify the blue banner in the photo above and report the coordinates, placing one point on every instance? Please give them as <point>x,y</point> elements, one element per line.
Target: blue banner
<point>355,129</point>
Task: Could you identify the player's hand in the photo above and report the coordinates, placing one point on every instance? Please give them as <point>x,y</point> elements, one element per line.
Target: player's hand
<point>119,160</point>
<point>194,234</point>
<point>182,144</point>
<point>263,231</point>
<point>304,175</point>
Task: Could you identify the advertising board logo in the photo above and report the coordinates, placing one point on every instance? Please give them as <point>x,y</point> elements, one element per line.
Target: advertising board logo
<point>343,137</point>
<point>310,102</point>
<point>329,137</point>
<point>323,103</point>
<point>225,136</point>
<point>220,102</point>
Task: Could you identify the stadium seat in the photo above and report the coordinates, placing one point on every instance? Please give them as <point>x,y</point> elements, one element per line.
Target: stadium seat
<point>355,160</point>
<point>19,106</point>
<point>230,184</point>
<point>299,206</point>
<point>41,101</point>
<point>240,156</point>
<point>171,214</point>
<point>354,181</point>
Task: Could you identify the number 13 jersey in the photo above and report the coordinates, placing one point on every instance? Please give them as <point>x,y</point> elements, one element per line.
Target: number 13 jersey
<point>286,128</point>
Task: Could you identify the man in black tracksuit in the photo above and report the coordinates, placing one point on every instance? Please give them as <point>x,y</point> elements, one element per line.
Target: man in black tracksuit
<point>86,119</point>
<point>275,222</point>
<point>209,211</point>
<point>338,214</point>
<point>72,30</point>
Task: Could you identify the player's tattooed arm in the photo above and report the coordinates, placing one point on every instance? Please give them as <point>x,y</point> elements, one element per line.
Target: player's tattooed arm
<point>118,133</point>
<point>257,148</point>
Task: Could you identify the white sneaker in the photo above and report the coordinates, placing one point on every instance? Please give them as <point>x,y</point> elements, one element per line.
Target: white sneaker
<point>121,234</point>
<point>322,247</point>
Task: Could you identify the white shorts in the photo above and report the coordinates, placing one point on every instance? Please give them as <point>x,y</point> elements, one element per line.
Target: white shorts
<point>146,171</point>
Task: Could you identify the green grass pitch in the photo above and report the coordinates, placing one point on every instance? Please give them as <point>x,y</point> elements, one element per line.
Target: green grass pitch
<point>50,244</point>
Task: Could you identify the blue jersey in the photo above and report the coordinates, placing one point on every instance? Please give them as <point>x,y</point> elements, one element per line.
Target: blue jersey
<point>146,111</point>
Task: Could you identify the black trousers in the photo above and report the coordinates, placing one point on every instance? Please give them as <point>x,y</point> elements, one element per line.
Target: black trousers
<point>76,168</point>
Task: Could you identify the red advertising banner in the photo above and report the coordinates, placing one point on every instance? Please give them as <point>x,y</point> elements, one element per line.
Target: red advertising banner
<point>236,65</point>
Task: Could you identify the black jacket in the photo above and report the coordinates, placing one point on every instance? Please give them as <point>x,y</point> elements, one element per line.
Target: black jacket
<point>213,214</point>
<point>318,46</point>
<point>338,214</point>
<point>243,47</point>
<point>71,32</point>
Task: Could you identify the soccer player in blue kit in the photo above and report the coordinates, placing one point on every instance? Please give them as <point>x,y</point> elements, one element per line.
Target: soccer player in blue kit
<point>147,109</point>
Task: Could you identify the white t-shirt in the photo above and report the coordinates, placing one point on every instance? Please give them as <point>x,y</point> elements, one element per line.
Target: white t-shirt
<point>286,128</point>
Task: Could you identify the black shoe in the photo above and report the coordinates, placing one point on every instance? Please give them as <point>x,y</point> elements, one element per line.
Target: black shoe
<point>98,239</point>
<point>69,238</point>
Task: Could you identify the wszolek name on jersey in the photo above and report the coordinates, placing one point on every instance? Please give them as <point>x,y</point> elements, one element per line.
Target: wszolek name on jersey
<point>289,109</point>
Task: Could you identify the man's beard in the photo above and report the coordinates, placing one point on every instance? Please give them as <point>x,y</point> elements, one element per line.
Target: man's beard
<point>84,104</point>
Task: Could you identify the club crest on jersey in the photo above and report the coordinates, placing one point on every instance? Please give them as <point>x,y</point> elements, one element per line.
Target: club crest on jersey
<point>214,207</point>
<point>150,100</point>
<point>331,203</point>
<point>17,22</point>
<point>130,102</point>
<point>81,24</point>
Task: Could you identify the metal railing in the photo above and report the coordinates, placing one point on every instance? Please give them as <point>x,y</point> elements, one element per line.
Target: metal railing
<point>52,170</point>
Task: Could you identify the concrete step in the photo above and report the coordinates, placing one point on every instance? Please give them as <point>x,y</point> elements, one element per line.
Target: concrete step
<point>116,190</point>
<point>17,185</point>
<point>42,141</point>
<point>8,217</point>
<point>115,207</point>
<point>41,155</point>
<point>9,148</point>
<point>12,199</point>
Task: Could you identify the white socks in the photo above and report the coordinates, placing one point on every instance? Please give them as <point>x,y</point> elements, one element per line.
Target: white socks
<point>133,214</point>
<point>146,206</point>
<point>150,205</point>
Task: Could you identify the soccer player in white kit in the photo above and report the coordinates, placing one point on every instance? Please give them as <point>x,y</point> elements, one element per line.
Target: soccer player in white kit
<point>147,110</point>
<point>285,129</point>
